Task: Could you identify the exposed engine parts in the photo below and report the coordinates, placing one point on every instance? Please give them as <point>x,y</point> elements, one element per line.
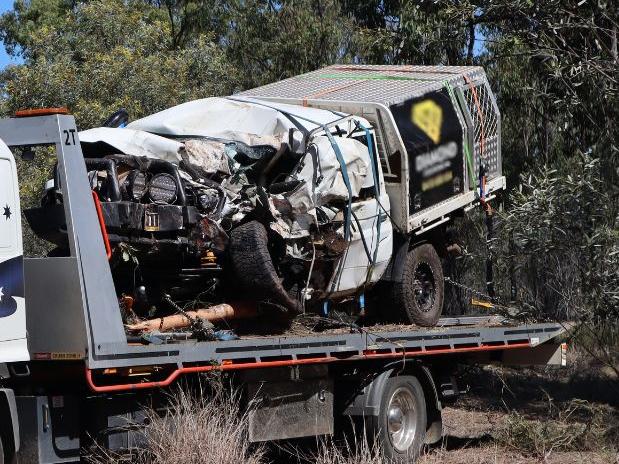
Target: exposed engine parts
<point>261,207</point>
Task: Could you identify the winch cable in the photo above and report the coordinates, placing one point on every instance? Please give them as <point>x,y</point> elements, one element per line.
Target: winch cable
<point>309,274</point>
<point>489,257</point>
<point>368,253</point>
<point>489,215</point>
<point>482,193</point>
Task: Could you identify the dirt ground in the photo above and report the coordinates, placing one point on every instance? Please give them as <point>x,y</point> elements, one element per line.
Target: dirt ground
<point>547,415</point>
<point>468,440</point>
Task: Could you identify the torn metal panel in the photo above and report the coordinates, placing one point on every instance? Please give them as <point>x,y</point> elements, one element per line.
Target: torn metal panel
<point>226,118</point>
<point>214,117</point>
<point>322,175</point>
<point>265,190</point>
<point>319,182</point>
<point>206,156</point>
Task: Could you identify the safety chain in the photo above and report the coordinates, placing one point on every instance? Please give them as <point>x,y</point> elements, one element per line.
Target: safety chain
<point>508,311</point>
<point>201,329</point>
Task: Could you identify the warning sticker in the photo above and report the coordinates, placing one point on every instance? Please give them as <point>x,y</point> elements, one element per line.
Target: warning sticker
<point>428,116</point>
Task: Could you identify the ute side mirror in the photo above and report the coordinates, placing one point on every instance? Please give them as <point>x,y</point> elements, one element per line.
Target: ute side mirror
<point>117,119</point>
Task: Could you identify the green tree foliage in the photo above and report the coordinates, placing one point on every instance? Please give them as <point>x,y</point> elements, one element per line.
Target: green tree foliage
<point>565,235</point>
<point>558,62</point>
<point>18,26</point>
<point>553,65</point>
<point>273,40</point>
<point>107,54</point>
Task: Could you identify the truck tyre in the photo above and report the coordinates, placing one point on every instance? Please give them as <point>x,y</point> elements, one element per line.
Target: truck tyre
<point>254,268</point>
<point>418,293</point>
<point>400,426</point>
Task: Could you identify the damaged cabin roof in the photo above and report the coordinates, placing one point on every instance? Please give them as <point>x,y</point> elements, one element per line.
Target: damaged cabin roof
<point>383,84</point>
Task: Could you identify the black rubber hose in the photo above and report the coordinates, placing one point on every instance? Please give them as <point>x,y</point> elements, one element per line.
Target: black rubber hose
<point>118,118</point>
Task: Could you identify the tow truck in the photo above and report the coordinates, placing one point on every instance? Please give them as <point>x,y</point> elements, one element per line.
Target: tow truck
<point>69,375</point>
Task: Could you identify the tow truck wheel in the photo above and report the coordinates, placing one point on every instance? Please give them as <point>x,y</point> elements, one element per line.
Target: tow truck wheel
<point>400,426</point>
<point>418,294</point>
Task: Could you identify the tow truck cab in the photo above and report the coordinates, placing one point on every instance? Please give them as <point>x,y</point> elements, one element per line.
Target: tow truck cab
<point>13,346</point>
<point>13,342</point>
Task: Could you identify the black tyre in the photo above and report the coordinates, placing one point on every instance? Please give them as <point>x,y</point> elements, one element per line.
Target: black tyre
<point>418,293</point>
<point>400,426</point>
<point>254,268</point>
<point>1,451</point>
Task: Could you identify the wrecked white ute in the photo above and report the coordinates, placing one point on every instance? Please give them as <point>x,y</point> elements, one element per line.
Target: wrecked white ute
<point>223,199</point>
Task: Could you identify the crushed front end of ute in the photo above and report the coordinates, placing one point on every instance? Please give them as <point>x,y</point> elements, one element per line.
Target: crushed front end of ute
<point>222,197</point>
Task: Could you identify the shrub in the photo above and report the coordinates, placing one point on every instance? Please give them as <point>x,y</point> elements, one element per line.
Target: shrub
<point>198,428</point>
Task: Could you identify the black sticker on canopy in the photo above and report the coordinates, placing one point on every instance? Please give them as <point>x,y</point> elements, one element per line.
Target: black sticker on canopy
<point>432,135</point>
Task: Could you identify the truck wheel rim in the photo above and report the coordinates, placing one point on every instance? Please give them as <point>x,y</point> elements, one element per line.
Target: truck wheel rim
<point>401,419</point>
<point>424,286</point>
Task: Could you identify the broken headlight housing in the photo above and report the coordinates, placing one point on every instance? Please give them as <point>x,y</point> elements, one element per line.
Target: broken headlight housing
<point>137,185</point>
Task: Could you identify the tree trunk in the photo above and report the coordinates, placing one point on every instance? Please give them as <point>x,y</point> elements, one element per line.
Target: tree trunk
<point>471,49</point>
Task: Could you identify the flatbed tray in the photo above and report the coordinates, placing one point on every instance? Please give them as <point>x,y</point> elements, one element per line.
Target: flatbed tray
<point>451,335</point>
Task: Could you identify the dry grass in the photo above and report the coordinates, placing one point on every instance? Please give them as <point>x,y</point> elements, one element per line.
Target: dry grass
<point>577,426</point>
<point>495,454</point>
<point>489,427</point>
<point>202,430</point>
<point>357,451</point>
<point>198,428</point>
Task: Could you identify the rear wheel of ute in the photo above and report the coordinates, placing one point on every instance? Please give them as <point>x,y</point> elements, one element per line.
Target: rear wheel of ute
<point>400,426</point>
<point>418,293</point>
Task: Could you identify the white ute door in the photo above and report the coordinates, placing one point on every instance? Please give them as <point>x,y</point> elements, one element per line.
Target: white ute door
<point>357,270</point>
<point>13,344</point>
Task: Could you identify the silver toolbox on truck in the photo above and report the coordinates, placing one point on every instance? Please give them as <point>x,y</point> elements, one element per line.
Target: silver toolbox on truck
<point>436,126</point>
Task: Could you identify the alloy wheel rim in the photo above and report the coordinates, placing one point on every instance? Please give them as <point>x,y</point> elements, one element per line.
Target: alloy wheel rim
<point>424,287</point>
<point>401,419</point>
